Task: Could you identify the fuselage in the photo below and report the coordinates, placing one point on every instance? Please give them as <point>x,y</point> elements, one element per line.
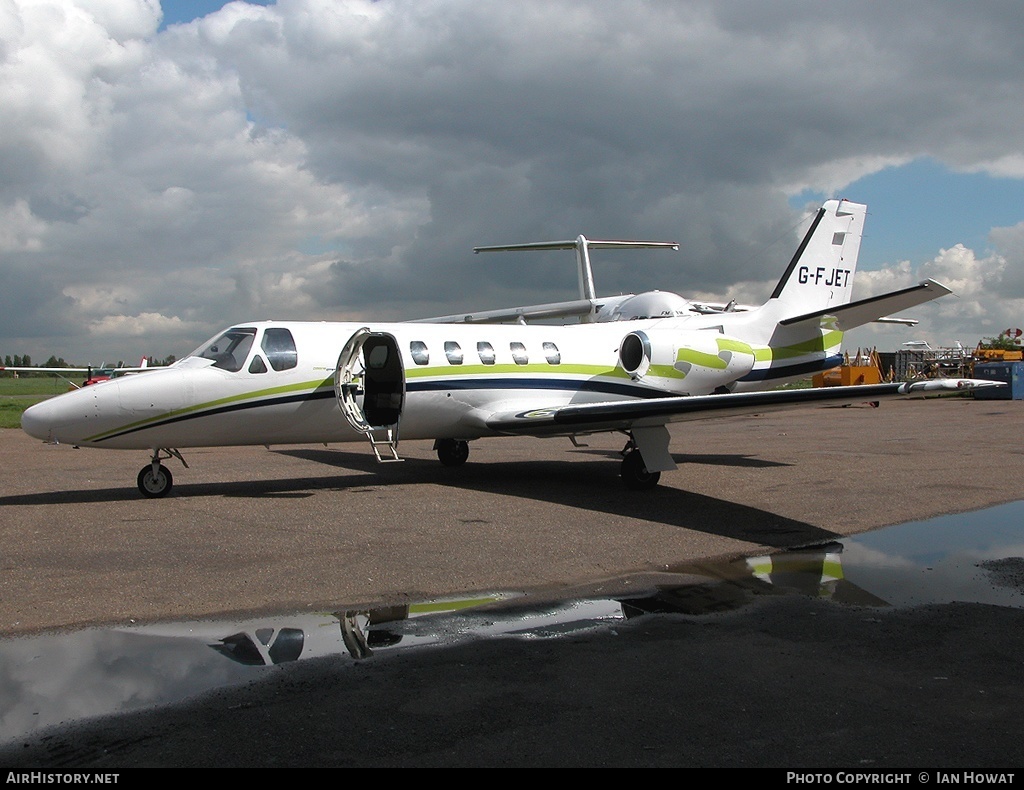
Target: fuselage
<point>280,384</point>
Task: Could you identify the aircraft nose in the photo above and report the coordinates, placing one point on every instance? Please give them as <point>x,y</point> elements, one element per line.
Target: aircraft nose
<point>88,416</point>
<point>37,421</point>
<point>65,418</point>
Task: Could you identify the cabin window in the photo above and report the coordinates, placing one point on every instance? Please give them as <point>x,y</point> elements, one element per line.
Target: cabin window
<point>552,354</point>
<point>519,353</point>
<point>279,346</point>
<point>485,352</point>
<point>453,351</point>
<point>419,352</point>
<point>229,351</point>
<point>257,365</point>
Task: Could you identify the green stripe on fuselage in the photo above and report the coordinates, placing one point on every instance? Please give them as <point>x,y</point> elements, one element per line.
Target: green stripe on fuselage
<point>308,386</point>
<point>813,345</point>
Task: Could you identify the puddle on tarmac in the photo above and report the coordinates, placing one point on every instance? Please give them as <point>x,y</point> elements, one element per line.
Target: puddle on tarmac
<point>66,677</point>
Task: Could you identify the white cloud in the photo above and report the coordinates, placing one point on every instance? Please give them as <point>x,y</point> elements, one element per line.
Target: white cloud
<point>134,326</point>
<point>20,231</point>
<point>1010,165</point>
<point>979,307</point>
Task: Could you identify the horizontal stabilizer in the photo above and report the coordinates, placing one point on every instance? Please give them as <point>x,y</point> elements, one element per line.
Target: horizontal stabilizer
<point>581,241</point>
<point>586,307</point>
<point>854,314</point>
<point>582,245</point>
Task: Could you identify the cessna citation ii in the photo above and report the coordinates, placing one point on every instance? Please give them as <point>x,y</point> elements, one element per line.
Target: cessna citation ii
<point>632,364</point>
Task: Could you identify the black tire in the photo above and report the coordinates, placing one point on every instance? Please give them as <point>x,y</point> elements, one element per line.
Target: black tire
<point>635,475</point>
<point>452,452</point>
<point>155,486</point>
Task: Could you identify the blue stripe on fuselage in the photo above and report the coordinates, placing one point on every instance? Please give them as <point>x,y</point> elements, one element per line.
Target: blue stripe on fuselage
<point>466,384</point>
<point>518,383</point>
<point>799,369</point>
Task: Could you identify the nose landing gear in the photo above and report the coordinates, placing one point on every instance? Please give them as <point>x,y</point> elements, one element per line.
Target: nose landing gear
<point>155,480</point>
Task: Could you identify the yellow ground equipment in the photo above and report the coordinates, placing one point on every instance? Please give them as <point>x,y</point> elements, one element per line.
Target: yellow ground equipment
<point>864,368</point>
<point>984,354</point>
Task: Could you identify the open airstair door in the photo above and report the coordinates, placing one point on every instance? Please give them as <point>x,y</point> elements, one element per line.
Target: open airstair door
<point>369,383</point>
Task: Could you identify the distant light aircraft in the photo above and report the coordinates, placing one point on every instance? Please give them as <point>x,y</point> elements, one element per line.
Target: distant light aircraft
<point>93,374</point>
<point>632,364</point>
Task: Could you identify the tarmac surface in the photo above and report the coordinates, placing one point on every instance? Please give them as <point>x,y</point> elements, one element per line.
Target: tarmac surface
<point>784,683</point>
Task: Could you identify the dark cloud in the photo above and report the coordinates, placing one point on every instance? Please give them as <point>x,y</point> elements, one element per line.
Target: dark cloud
<point>311,160</point>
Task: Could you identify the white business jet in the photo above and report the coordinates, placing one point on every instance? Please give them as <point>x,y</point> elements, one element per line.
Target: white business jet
<point>632,364</point>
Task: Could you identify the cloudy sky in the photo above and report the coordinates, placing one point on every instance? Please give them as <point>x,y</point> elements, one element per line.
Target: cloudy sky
<point>166,171</point>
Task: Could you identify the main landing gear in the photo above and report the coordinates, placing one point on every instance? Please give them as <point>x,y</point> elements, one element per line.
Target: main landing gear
<point>633,470</point>
<point>455,452</point>
<point>452,452</point>
<point>155,480</point>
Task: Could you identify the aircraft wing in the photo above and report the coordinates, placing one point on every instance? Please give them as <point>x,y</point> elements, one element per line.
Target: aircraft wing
<point>22,369</point>
<point>569,309</point>
<point>116,371</point>
<point>574,307</point>
<point>627,415</point>
<point>876,308</point>
<point>711,308</point>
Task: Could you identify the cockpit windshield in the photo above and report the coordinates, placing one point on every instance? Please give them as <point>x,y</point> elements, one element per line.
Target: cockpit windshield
<point>230,350</point>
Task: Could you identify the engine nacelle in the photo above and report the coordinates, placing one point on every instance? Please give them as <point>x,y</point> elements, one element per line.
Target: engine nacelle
<point>685,361</point>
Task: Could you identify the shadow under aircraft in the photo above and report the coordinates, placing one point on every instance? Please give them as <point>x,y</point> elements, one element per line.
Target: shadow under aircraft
<point>558,482</point>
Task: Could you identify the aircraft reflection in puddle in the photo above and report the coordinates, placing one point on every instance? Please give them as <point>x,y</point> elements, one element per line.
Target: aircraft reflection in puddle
<point>65,677</point>
<point>358,634</point>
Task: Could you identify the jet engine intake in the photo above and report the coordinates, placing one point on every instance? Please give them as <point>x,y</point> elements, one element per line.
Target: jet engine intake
<point>635,354</point>
<point>684,362</point>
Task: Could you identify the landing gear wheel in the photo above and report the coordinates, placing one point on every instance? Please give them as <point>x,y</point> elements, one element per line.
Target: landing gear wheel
<point>155,485</point>
<point>634,473</point>
<point>452,452</point>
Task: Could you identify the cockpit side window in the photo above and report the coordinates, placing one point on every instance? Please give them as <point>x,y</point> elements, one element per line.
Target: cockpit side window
<point>230,350</point>
<point>279,346</point>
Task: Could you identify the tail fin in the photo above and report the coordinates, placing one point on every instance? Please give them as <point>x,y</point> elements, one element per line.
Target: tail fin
<point>820,275</point>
